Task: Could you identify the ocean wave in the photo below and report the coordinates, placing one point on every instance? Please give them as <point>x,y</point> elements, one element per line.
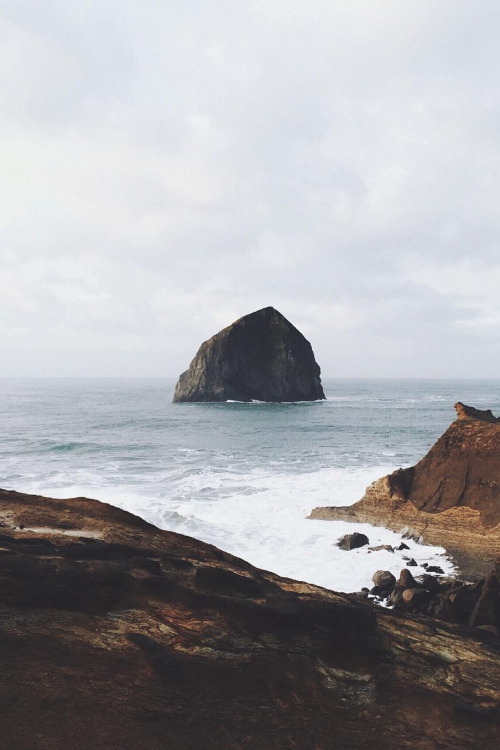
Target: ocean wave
<point>269,526</point>
<point>70,446</point>
<point>243,476</point>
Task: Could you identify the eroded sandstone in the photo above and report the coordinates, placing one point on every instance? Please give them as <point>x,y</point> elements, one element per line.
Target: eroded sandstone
<point>129,637</point>
<point>450,498</point>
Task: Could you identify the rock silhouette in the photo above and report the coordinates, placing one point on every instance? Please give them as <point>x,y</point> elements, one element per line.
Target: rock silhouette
<point>260,357</point>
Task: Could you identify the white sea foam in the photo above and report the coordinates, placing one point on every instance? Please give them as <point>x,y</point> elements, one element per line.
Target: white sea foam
<point>241,476</point>
<point>262,517</point>
<point>270,528</point>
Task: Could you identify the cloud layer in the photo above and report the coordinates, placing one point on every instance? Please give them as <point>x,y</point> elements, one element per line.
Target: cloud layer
<point>168,167</point>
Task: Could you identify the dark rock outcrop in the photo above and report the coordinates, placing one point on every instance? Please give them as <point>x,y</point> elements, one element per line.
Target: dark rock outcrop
<point>260,357</point>
<point>384,579</point>
<point>352,541</point>
<point>450,498</point>
<point>114,634</point>
<point>472,605</point>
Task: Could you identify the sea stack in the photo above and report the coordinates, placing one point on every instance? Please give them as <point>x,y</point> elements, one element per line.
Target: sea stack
<point>260,357</point>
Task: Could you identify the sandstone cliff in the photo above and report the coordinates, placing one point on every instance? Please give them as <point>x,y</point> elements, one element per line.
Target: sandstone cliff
<point>451,497</point>
<point>261,356</point>
<point>116,635</point>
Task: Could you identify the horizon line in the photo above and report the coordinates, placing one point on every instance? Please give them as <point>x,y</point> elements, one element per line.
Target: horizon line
<point>176,377</point>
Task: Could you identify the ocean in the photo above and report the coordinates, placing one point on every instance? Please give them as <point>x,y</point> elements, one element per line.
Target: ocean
<point>241,476</point>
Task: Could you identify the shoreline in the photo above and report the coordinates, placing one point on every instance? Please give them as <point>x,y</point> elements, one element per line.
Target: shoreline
<point>451,497</point>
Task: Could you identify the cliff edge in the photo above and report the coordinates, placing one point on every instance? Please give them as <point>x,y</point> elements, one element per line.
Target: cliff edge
<point>450,498</point>
<point>260,357</point>
<point>114,634</point>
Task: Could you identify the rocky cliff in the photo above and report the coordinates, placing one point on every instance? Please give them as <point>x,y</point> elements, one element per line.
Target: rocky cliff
<point>116,635</point>
<point>261,356</point>
<point>451,497</point>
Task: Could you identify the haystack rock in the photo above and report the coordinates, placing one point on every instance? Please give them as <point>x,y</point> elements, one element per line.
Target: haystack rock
<point>450,498</point>
<point>115,634</point>
<point>260,357</point>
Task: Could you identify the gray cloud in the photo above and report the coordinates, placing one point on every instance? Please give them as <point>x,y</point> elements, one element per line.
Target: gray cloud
<point>170,167</point>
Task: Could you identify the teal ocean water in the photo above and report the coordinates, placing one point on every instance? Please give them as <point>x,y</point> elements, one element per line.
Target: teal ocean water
<point>241,476</point>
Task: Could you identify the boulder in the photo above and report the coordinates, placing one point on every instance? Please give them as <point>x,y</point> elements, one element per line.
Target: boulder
<point>396,596</point>
<point>431,583</point>
<point>406,580</point>
<point>487,609</point>
<point>416,597</point>
<point>462,600</point>
<point>260,357</point>
<point>457,601</point>
<point>352,541</point>
<point>383,579</point>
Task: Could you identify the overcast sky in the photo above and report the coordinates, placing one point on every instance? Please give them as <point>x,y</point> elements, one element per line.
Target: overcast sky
<point>168,166</point>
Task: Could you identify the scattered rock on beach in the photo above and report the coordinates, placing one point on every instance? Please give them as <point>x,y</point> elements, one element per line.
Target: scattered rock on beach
<point>384,579</point>
<point>406,580</point>
<point>473,605</point>
<point>380,547</point>
<point>416,597</point>
<point>431,583</point>
<point>353,541</point>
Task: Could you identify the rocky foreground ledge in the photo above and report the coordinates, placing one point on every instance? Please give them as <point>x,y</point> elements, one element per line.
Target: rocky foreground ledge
<point>114,634</point>
<point>450,498</point>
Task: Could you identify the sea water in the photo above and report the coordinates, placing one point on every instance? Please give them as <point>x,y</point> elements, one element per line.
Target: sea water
<point>241,476</point>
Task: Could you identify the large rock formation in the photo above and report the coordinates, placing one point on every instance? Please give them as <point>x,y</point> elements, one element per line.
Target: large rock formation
<point>451,497</point>
<point>114,634</point>
<point>261,357</point>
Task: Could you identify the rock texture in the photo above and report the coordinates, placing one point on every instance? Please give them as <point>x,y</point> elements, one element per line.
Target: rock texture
<point>476,605</point>
<point>466,412</point>
<point>116,635</point>
<point>261,357</point>
<point>450,498</point>
<point>352,541</point>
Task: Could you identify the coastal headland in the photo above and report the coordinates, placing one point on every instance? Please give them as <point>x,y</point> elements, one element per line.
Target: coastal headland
<point>116,634</point>
<point>450,498</point>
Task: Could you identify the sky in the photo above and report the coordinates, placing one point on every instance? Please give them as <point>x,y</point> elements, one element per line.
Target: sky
<point>167,167</point>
